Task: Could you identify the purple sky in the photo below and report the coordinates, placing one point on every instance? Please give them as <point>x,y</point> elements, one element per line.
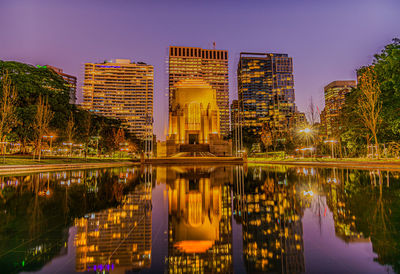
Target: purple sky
<point>328,40</point>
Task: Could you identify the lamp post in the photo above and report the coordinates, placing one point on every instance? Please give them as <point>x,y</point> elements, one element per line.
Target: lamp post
<point>332,142</point>
<point>51,142</point>
<point>307,133</point>
<point>70,147</point>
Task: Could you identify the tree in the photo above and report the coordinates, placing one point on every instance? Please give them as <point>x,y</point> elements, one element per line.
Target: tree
<point>118,137</point>
<point>86,131</point>
<point>266,138</point>
<point>312,113</point>
<point>70,131</point>
<point>8,114</point>
<point>43,118</point>
<point>369,104</point>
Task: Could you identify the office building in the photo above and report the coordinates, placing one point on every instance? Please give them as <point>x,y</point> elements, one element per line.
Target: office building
<point>234,114</point>
<point>71,80</point>
<point>208,64</point>
<point>335,95</point>
<point>266,90</point>
<point>121,89</point>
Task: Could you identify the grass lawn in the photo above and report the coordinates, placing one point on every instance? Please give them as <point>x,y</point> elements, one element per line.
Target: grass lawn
<point>25,160</point>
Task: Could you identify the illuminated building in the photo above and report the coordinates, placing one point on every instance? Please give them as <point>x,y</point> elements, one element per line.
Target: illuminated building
<point>121,89</point>
<point>208,64</point>
<point>322,127</point>
<point>200,220</point>
<point>335,95</point>
<point>117,239</point>
<point>194,121</point>
<point>272,227</point>
<point>71,80</point>
<point>266,90</point>
<point>234,113</point>
<point>300,119</point>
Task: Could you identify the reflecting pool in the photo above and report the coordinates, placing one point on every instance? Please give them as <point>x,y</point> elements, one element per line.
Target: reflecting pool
<point>184,219</point>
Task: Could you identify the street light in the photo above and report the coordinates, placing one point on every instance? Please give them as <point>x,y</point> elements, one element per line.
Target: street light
<point>51,142</point>
<point>332,142</point>
<point>307,133</point>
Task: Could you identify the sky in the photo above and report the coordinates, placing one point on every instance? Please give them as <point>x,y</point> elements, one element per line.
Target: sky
<point>328,40</point>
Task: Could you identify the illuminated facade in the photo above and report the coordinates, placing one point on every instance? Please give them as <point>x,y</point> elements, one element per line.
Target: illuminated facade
<point>335,95</point>
<point>234,113</point>
<point>206,64</point>
<point>70,79</point>
<point>200,220</point>
<point>194,121</point>
<point>117,239</point>
<point>123,90</point>
<point>266,90</point>
<point>194,114</point>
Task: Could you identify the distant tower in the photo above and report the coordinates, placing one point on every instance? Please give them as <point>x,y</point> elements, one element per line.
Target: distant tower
<point>209,65</point>
<point>266,90</point>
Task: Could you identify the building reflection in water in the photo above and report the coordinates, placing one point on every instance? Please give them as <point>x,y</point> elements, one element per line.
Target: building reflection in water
<point>272,230</point>
<point>117,239</point>
<point>199,219</point>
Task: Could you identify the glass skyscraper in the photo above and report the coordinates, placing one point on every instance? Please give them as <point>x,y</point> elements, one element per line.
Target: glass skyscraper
<point>266,90</point>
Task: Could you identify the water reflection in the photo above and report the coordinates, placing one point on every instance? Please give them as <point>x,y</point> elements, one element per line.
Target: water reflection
<point>37,209</point>
<point>271,220</point>
<point>119,238</point>
<point>277,218</point>
<point>199,219</point>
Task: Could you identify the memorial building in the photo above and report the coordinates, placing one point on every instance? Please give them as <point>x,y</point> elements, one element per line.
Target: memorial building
<point>194,122</point>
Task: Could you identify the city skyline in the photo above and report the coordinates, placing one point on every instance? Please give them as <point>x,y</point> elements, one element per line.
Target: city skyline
<point>327,41</point>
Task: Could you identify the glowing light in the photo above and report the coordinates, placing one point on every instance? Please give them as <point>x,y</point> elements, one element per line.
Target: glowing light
<point>309,193</point>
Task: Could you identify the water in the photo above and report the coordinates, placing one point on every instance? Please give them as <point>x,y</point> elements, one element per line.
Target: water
<point>201,219</point>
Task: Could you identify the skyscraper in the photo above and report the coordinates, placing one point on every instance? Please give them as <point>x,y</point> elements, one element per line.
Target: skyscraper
<point>209,65</point>
<point>121,89</point>
<point>335,95</point>
<point>234,113</point>
<point>70,79</point>
<point>266,90</point>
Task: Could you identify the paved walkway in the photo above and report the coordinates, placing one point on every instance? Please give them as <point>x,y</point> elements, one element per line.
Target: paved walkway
<point>14,169</point>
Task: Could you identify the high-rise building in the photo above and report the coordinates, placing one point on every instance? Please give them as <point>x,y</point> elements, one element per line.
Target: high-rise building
<point>234,113</point>
<point>266,90</point>
<point>121,89</point>
<point>335,95</point>
<point>209,65</point>
<point>71,80</point>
